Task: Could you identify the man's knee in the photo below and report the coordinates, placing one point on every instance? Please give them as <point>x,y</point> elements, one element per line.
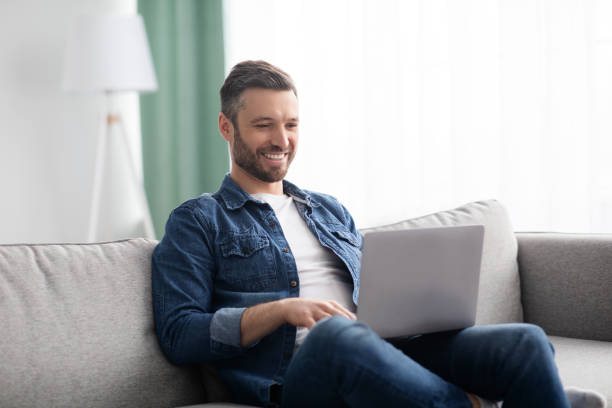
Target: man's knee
<point>529,338</point>
<point>335,332</point>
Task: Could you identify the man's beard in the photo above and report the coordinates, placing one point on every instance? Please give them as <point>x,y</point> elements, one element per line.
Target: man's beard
<point>248,161</point>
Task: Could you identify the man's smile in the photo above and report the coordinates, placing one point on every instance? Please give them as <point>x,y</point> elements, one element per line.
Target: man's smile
<point>275,157</point>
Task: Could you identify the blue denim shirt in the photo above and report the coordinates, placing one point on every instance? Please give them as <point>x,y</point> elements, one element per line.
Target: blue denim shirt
<point>224,252</point>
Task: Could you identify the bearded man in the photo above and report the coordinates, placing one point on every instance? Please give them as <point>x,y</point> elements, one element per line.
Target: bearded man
<point>261,279</point>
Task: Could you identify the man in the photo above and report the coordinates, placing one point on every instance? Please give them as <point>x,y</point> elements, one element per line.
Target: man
<point>261,279</point>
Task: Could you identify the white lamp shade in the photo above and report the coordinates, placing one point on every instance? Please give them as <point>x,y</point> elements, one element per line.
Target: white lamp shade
<point>108,53</point>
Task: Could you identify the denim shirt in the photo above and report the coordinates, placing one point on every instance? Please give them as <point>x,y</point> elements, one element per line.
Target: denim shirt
<point>223,253</point>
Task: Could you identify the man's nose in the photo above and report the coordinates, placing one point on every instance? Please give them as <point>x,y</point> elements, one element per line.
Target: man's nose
<point>280,138</point>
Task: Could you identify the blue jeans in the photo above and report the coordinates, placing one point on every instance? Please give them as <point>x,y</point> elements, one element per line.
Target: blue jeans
<point>344,363</point>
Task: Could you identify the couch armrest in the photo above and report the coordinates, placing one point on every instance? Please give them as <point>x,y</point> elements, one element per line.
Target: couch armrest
<point>566,283</point>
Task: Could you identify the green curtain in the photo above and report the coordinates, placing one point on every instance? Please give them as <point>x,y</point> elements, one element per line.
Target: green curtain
<point>183,152</point>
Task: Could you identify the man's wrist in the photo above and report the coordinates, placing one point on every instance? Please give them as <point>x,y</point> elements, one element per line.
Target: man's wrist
<point>283,309</point>
<point>260,320</point>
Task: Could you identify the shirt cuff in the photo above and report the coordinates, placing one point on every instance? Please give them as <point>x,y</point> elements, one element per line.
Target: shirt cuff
<point>225,326</point>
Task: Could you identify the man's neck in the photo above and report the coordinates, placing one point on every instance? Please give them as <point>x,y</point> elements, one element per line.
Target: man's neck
<point>253,185</point>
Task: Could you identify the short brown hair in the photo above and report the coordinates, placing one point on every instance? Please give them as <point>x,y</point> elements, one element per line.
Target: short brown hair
<point>251,74</point>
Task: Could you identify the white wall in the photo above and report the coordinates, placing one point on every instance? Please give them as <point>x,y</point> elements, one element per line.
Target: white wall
<point>48,137</point>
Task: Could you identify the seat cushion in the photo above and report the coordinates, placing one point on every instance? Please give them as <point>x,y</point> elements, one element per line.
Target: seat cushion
<point>499,298</point>
<point>77,329</point>
<point>585,364</point>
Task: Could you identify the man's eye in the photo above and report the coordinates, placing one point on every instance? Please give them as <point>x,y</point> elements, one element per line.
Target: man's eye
<point>262,125</point>
<point>292,125</point>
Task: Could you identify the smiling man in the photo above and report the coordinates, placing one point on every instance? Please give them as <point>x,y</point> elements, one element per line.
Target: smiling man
<point>269,120</point>
<point>261,279</point>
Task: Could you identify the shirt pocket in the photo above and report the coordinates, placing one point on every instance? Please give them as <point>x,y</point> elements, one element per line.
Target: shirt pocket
<point>247,262</point>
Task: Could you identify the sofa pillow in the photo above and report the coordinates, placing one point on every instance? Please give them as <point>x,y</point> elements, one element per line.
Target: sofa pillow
<point>77,329</point>
<point>499,298</point>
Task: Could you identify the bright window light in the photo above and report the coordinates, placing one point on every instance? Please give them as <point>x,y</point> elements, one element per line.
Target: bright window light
<point>409,107</point>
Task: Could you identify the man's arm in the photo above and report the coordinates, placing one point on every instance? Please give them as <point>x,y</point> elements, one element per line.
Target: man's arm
<point>260,320</point>
<point>183,266</point>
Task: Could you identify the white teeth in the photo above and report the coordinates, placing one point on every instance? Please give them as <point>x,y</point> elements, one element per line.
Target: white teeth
<point>274,156</point>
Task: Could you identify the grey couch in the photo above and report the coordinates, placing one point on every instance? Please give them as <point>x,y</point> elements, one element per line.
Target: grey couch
<point>77,327</point>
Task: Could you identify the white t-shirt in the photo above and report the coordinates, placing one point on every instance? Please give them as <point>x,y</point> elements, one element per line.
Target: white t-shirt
<point>321,273</point>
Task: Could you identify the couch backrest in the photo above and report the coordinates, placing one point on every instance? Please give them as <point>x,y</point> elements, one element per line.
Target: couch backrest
<point>77,329</point>
<point>566,281</point>
<point>499,297</point>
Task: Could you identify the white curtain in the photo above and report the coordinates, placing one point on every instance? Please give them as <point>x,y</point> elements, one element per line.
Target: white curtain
<point>414,106</point>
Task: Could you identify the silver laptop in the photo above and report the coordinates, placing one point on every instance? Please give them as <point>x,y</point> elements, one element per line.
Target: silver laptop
<point>419,281</point>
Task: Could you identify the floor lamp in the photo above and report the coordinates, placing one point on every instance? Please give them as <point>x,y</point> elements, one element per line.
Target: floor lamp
<point>110,54</point>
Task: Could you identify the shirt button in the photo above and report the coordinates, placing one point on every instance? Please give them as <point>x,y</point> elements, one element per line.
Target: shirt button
<point>272,224</point>
<point>285,250</point>
<point>293,284</point>
<point>245,250</point>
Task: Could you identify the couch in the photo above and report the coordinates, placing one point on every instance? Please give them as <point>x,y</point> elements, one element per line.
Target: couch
<point>77,326</point>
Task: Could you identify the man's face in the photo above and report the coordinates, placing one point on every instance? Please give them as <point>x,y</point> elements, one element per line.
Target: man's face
<point>266,133</point>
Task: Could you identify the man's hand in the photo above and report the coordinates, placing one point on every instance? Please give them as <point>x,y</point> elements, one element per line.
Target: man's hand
<point>261,320</point>
<point>306,312</point>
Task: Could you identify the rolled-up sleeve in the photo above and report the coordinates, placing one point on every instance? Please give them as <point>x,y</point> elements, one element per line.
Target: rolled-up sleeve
<point>183,270</point>
<point>225,327</point>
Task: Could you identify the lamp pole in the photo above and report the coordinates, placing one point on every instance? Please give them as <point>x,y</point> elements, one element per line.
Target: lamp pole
<point>112,119</point>
<point>111,54</point>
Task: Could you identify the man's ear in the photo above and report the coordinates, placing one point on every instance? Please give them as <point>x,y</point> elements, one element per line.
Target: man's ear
<point>226,128</point>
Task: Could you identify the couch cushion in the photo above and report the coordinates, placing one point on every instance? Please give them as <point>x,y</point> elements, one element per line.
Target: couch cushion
<point>584,363</point>
<point>499,299</point>
<point>567,283</point>
<point>77,329</point>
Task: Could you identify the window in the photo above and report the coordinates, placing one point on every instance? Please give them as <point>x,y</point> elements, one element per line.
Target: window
<point>414,106</point>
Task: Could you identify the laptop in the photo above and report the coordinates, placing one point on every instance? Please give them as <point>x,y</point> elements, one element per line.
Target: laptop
<point>419,281</point>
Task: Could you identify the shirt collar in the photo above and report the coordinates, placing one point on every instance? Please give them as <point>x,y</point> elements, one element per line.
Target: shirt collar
<point>235,197</point>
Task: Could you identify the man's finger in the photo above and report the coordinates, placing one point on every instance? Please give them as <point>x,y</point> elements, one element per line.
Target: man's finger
<point>310,322</point>
<point>335,310</point>
<point>340,310</point>
<point>318,316</point>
